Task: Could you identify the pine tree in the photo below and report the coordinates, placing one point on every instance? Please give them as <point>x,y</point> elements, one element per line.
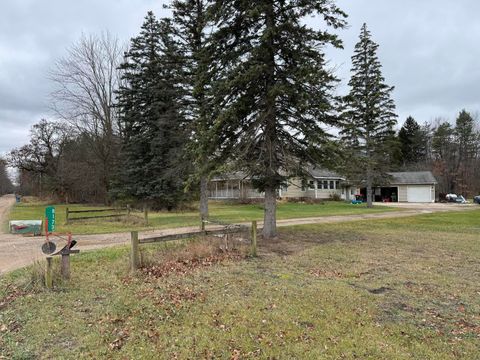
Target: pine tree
<point>444,154</point>
<point>467,141</point>
<point>413,142</point>
<point>273,89</point>
<point>154,130</point>
<point>192,26</point>
<point>368,118</point>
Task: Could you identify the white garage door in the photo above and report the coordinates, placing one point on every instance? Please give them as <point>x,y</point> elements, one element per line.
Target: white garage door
<point>419,194</point>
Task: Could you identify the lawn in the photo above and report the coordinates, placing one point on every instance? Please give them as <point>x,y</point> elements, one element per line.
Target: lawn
<point>391,289</point>
<point>225,212</point>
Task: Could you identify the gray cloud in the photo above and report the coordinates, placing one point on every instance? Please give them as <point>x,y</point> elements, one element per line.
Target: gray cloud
<point>428,50</point>
<point>33,34</point>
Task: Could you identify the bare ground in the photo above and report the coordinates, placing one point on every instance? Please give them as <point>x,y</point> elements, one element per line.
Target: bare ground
<point>19,251</point>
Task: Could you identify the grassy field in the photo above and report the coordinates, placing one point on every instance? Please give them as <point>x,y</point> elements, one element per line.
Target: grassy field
<point>391,289</point>
<point>159,220</point>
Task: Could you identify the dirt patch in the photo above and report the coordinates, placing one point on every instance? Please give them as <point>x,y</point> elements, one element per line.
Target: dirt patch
<point>183,259</point>
<point>186,266</point>
<point>328,274</point>
<point>380,290</point>
<point>12,294</point>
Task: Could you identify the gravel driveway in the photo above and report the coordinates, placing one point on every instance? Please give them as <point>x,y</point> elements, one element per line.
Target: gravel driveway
<point>18,251</point>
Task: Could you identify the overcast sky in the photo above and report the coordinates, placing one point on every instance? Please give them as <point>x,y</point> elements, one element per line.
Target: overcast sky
<point>428,50</point>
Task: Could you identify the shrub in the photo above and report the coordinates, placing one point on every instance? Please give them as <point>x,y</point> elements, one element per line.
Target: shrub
<point>335,197</point>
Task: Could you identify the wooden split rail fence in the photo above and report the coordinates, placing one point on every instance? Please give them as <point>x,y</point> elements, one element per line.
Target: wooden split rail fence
<point>118,212</point>
<point>229,229</point>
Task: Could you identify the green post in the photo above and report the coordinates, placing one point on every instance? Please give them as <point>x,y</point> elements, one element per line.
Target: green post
<point>254,238</point>
<point>50,215</point>
<point>135,255</point>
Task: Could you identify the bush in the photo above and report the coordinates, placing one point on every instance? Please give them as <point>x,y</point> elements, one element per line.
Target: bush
<point>250,201</point>
<point>335,197</point>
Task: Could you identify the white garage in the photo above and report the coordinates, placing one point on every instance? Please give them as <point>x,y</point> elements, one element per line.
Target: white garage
<point>419,194</point>
<point>415,186</point>
<point>411,187</point>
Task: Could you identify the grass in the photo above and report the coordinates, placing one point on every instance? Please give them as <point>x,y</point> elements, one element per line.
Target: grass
<point>391,289</point>
<point>226,212</point>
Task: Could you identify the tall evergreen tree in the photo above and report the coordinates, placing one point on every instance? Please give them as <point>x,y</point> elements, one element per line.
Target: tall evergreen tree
<point>154,130</point>
<point>368,118</point>
<point>274,89</point>
<point>444,154</point>
<point>467,140</point>
<point>413,142</point>
<point>192,27</point>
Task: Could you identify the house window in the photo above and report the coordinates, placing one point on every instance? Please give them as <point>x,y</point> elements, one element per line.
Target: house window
<point>325,184</point>
<point>337,184</point>
<point>332,184</point>
<point>311,184</point>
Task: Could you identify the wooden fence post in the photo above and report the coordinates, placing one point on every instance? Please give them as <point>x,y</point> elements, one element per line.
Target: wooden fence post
<point>254,238</point>
<point>202,224</point>
<point>128,210</point>
<point>135,255</point>
<point>65,266</point>
<point>145,214</point>
<point>48,274</point>
<point>66,215</point>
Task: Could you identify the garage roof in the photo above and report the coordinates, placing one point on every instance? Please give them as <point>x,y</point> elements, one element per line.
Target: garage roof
<point>413,178</point>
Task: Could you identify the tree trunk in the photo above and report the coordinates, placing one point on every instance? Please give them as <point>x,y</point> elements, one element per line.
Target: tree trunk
<point>270,214</point>
<point>271,160</point>
<point>369,189</point>
<point>204,198</point>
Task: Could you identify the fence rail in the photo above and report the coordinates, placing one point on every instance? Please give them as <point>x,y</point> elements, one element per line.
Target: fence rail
<point>120,212</point>
<point>94,211</point>
<point>229,229</point>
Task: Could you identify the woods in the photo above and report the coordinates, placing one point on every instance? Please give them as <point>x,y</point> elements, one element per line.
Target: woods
<point>229,86</point>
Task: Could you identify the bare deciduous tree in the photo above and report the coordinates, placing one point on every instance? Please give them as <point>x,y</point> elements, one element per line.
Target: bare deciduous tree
<point>86,80</point>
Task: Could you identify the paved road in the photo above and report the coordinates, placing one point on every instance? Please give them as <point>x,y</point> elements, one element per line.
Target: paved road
<point>18,251</point>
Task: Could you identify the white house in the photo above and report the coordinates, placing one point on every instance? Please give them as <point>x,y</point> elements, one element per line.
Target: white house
<point>414,187</point>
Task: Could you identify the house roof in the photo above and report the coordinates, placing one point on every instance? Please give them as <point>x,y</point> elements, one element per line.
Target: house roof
<point>398,178</point>
<point>413,178</point>
<point>315,172</point>
<point>237,175</point>
<point>321,173</point>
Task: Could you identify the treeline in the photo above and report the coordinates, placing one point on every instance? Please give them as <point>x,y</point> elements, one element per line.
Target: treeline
<point>217,87</point>
<point>450,151</point>
<point>60,162</point>
<point>6,186</point>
